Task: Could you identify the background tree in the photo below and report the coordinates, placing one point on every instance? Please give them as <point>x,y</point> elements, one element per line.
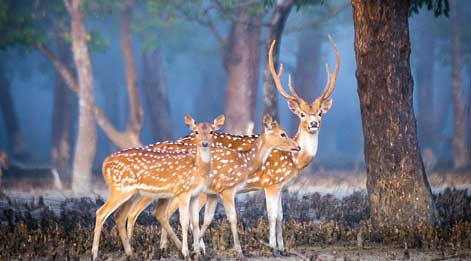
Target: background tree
<point>63,113</point>
<point>425,51</point>
<point>15,142</point>
<point>85,146</point>
<point>459,149</point>
<point>398,190</point>
<point>280,13</point>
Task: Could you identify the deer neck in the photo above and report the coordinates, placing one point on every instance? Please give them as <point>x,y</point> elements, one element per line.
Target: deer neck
<point>308,143</point>
<point>256,156</point>
<point>203,160</point>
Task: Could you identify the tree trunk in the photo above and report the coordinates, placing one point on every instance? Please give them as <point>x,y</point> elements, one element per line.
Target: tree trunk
<point>62,115</point>
<point>242,73</point>
<point>425,97</point>
<point>306,76</point>
<point>277,23</point>
<point>459,150</point>
<point>398,190</point>
<point>15,143</point>
<point>154,86</point>
<point>85,147</point>
<point>136,114</point>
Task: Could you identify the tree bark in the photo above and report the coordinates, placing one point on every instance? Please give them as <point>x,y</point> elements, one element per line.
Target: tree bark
<point>62,115</point>
<point>425,97</point>
<point>15,143</point>
<point>157,100</point>
<point>85,147</point>
<point>306,76</point>
<point>459,150</point>
<point>277,23</point>
<point>398,190</point>
<point>242,68</point>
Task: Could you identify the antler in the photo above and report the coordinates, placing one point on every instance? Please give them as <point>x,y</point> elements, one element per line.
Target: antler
<point>331,78</point>
<point>276,77</point>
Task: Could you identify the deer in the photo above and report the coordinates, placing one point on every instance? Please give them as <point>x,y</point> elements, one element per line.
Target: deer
<point>280,167</point>
<point>159,174</point>
<point>229,171</point>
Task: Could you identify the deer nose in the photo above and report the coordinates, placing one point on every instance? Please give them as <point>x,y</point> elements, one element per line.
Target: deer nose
<point>314,124</point>
<point>204,144</point>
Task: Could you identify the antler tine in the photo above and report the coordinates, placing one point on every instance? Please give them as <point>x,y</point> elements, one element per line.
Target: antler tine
<point>276,76</point>
<point>291,88</point>
<point>331,78</point>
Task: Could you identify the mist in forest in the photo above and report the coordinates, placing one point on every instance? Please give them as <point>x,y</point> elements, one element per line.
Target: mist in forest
<point>194,81</point>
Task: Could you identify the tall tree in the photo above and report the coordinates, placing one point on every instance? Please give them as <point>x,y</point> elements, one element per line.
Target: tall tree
<point>156,95</point>
<point>277,23</point>
<point>398,190</point>
<point>85,146</point>
<point>62,114</point>
<point>459,149</point>
<point>15,143</point>
<point>242,69</point>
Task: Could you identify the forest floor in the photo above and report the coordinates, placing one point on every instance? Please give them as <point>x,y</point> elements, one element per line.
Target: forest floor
<point>326,219</point>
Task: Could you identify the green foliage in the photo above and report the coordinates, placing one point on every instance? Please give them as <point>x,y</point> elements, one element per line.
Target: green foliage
<point>439,7</point>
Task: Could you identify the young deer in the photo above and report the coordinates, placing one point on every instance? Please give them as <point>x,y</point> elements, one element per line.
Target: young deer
<point>280,167</point>
<point>159,174</point>
<point>229,172</point>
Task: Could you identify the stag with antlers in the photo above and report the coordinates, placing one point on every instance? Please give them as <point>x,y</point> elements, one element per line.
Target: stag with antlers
<point>280,166</point>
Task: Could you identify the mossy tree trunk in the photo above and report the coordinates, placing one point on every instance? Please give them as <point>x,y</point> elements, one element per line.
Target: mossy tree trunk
<point>398,190</point>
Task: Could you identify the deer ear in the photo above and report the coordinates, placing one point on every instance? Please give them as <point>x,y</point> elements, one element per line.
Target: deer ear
<point>325,106</point>
<point>190,122</point>
<point>218,122</point>
<point>267,122</point>
<point>294,107</point>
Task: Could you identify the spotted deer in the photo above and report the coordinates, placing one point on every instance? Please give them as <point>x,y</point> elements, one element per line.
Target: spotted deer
<point>229,171</point>
<point>280,167</point>
<point>159,174</point>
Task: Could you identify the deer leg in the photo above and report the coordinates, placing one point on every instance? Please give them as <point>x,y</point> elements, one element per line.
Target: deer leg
<point>279,224</point>
<point>195,221</point>
<point>133,213</point>
<point>164,209</point>
<point>114,201</point>
<point>184,208</point>
<point>229,207</point>
<point>209,210</point>
<point>120,219</point>
<point>272,196</point>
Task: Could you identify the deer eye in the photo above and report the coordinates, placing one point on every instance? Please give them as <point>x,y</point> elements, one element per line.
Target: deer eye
<point>283,135</point>
<point>211,132</point>
<point>196,132</point>
<point>320,113</point>
<point>302,114</point>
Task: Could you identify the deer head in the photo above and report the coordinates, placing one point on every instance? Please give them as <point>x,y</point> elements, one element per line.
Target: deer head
<point>203,133</point>
<point>309,114</point>
<point>273,136</point>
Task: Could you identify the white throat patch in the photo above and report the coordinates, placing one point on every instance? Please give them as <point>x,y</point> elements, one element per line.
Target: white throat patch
<point>308,143</point>
<point>205,153</point>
